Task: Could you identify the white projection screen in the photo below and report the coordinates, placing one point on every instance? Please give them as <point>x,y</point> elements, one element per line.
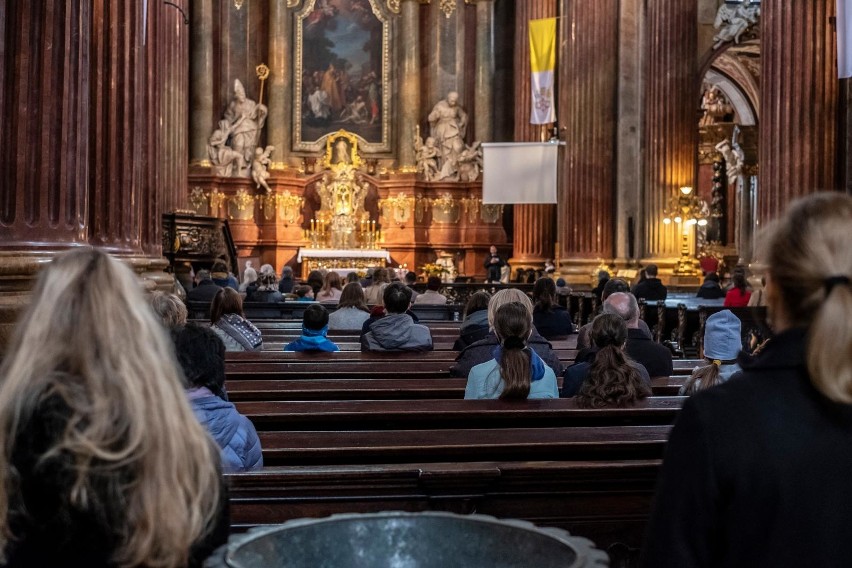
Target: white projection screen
<point>519,172</point>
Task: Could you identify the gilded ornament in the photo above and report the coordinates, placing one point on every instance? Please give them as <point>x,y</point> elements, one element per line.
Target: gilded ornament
<point>238,4</point>
<point>448,7</point>
<point>199,201</point>
<point>398,209</point>
<point>445,209</point>
<point>217,198</point>
<point>241,206</point>
<point>491,213</point>
<point>393,6</point>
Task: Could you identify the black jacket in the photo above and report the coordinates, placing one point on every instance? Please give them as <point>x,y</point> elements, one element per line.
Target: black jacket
<point>757,472</point>
<point>651,290</point>
<point>483,351</point>
<point>204,292</point>
<point>710,291</point>
<point>553,323</point>
<point>653,356</point>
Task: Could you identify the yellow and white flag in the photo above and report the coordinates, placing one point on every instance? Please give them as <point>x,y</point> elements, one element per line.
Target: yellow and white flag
<point>543,67</point>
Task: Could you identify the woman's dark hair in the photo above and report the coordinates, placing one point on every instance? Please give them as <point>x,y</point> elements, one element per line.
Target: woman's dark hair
<point>478,301</point>
<point>512,324</point>
<point>353,297</point>
<point>219,266</point>
<point>611,381</point>
<point>381,276</point>
<point>201,355</point>
<point>302,290</point>
<point>544,294</point>
<point>396,298</point>
<point>739,279</point>
<point>434,283</point>
<point>353,277</point>
<point>226,301</point>
<point>315,281</point>
<point>315,317</point>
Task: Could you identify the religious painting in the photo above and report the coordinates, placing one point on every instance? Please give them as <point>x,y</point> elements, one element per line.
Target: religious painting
<point>341,150</point>
<point>342,73</point>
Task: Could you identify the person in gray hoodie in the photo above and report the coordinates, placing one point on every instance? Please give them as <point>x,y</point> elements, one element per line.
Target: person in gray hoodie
<point>396,331</point>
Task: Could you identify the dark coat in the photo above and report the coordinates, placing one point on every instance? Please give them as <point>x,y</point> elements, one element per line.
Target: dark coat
<point>757,472</point>
<point>651,289</point>
<point>474,328</point>
<point>653,356</point>
<point>493,269</point>
<point>710,291</point>
<point>285,285</point>
<point>553,323</point>
<point>204,292</point>
<point>483,351</point>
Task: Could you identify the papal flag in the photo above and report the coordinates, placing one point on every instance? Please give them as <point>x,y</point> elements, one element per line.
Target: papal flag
<point>844,38</point>
<point>543,67</point>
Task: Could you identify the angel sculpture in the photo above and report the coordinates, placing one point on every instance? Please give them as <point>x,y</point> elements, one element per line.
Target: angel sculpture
<point>470,162</point>
<point>732,22</point>
<point>259,165</point>
<point>426,156</point>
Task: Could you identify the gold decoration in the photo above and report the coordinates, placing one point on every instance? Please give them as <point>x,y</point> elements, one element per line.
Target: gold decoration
<point>238,4</point>
<point>199,201</point>
<point>241,206</point>
<point>448,7</point>
<point>421,206</point>
<point>292,3</point>
<point>341,151</point>
<point>263,74</point>
<point>445,209</point>
<point>471,207</point>
<point>217,198</point>
<point>397,209</point>
<point>491,213</point>
<point>289,208</point>
<point>393,6</point>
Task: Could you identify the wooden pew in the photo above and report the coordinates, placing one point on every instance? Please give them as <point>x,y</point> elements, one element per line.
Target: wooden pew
<point>385,389</point>
<point>506,444</point>
<point>450,414</point>
<point>607,501</point>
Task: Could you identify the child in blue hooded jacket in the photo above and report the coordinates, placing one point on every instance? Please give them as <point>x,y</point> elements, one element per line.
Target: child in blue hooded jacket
<point>314,331</point>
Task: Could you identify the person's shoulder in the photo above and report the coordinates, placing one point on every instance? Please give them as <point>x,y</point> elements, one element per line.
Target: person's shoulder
<point>483,369</point>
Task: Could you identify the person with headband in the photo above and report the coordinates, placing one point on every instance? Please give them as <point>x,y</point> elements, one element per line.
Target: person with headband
<point>102,461</point>
<point>757,470</point>
<point>516,372</point>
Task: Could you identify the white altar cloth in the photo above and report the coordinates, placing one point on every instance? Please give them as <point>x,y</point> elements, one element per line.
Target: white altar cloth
<point>305,252</point>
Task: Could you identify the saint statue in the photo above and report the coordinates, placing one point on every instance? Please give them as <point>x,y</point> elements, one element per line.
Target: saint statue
<point>448,122</point>
<point>245,118</point>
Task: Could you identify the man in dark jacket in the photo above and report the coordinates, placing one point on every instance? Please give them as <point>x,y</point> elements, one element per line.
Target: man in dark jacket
<point>396,331</point>
<point>651,289</point>
<point>493,265</point>
<point>640,347</point>
<point>205,289</point>
<point>711,290</point>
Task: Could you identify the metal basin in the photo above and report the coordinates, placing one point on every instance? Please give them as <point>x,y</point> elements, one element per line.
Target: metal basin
<point>407,540</point>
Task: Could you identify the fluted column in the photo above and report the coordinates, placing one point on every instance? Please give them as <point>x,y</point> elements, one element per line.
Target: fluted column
<point>202,119</point>
<point>409,81</point>
<point>533,225</point>
<point>799,101</point>
<point>671,132</point>
<point>484,95</point>
<point>279,120</point>
<point>587,109</point>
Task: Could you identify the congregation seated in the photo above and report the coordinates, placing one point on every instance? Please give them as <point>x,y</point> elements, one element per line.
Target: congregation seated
<point>722,346</point>
<point>285,285</point>
<point>315,281</point>
<point>396,331</point>
<point>431,296</point>
<point>515,372</point>
<point>228,321</point>
<point>551,320</point>
<point>250,277</point>
<point>352,311</point>
<point>330,292</point>
<point>222,277</point>
<point>168,308</point>
<point>739,294</point>
<point>201,355</point>
<point>612,286</point>
<point>410,281</point>
<point>756,470</point>
<point>482,351</point>
<point>304,293</point>
<point>379,281</point>
<point>597,291</point>
<point>205,289</point>
<point>267,291</point>
<point>710,289</point>
<point>650,288</point>
<point>475,322</point>
<point>609,334</point>
<point>103,461</point>
<point>656,358</point>
<point>314,332</point>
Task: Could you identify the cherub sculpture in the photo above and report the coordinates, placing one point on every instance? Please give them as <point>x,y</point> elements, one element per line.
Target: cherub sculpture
<point>470,162</point>
<point>427,157</point>
<point>259,165</point>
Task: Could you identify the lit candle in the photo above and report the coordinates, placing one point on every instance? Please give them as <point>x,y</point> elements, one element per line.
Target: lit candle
<point>374,226</point>
<point>313,226</point>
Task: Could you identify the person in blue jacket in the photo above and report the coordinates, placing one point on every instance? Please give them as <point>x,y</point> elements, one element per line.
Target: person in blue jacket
<point>314,331</point>
<point>201,354</point>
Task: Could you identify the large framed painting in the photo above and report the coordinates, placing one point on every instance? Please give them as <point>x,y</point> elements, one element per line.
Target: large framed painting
<point>342,74</point>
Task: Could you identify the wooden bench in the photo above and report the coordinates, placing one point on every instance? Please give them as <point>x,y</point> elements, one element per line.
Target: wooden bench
<point>505,444</point>
<point>384,389</point>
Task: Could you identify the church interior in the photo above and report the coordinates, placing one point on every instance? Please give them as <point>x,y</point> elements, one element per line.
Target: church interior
<point>347,135</point>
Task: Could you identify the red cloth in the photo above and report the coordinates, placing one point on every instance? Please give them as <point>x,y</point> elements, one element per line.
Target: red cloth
<point>737,299</point>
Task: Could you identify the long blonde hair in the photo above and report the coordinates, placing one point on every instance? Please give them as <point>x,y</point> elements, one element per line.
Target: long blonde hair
<point>808,247</point>
<point>137,455</point>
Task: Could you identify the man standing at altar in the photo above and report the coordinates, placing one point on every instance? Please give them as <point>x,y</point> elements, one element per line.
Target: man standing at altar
<point>493,265</point>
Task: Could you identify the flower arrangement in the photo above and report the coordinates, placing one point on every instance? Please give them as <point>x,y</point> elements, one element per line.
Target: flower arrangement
<point>433,269</point>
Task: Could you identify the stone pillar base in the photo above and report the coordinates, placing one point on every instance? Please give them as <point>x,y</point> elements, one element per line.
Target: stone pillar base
<point>583,271</point>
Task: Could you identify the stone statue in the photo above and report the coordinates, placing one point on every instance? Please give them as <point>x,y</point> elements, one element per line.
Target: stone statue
<point>448,122</point>
<point>245,119</point>
<point>226,161</point>
<point>715,106</point>
<point>426,156</point>
<point>470,162</point>
<point>732,22</point>
<point>259,166</point>
<point>733,154</point>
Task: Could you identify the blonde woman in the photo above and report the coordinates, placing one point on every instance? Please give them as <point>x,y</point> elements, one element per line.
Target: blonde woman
<point>482,351</point>
<point>102,463</point>
<point>757,469</point>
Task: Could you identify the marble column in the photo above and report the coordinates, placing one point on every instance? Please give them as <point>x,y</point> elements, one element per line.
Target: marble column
<point>202,118</point>
<point>534,224</point>
<point>409,82</point>
<point>485,65</point>
<point>279,86</point>
<point>670,125</point>
<point>799,97</point>
<point>587,108</point>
